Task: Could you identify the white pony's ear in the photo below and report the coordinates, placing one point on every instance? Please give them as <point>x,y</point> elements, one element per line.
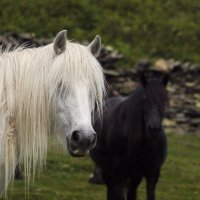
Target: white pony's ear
<point>95,46</point>
<point>59,44</point>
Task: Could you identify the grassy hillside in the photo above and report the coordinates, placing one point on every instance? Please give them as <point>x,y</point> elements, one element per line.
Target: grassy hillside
<point>66,178</point>
<point>151,28</point>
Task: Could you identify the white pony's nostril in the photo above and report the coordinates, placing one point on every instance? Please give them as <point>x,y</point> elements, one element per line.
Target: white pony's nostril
<point>75,136</point>
<point>81,139</point>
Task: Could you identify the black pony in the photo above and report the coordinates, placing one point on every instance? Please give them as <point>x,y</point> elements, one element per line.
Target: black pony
<point>131,141</point>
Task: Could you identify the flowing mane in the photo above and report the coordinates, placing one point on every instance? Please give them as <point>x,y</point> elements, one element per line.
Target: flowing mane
<point>29,82</point>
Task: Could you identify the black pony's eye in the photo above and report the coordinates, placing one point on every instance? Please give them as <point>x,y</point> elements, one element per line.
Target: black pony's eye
<point>144,97</point>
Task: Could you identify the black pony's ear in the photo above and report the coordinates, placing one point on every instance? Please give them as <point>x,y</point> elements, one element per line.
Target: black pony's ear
<point>143,79</point>
<point>165,79</point>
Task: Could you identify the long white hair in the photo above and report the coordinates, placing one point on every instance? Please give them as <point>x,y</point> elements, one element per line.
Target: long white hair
<point>29,82</point>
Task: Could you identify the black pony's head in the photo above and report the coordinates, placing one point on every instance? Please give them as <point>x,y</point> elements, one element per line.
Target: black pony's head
<point>154,100</point>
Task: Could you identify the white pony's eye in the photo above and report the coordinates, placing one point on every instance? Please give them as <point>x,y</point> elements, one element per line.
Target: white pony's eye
<point>60,84</point>
<point>61,90</point>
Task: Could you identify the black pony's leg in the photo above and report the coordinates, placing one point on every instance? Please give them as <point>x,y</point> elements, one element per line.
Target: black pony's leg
<point>132,190</point>
<point>18,173</point>
<point>96,177</point>
<point>152,179</point>
<point>115,189</point>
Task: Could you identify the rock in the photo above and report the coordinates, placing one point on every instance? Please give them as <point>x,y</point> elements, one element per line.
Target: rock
<point>180,118</point>
<point>169,123</point>
<point>192,113</point>
<point>185,66</point>
<point>197,105</point>
<point>195,123</point>
<point>174,65</point>
<point>190,84</point>
<point>108,57</point>
<point>111,73</point>
<point>162,65</point>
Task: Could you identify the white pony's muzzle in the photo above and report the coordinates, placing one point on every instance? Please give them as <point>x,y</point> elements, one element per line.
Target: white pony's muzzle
<point>81,142</point>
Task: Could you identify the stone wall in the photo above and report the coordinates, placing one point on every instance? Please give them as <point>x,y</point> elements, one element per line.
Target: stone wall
<point>183,115</point>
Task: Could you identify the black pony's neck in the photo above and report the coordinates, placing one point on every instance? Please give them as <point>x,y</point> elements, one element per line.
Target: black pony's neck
<point>134,107</point>
<point>126,119</point>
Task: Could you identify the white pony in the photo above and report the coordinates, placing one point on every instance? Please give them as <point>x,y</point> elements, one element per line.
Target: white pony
<point>47,91</point>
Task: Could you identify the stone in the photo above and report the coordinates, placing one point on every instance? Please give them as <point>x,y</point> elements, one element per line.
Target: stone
<point>161,65</point>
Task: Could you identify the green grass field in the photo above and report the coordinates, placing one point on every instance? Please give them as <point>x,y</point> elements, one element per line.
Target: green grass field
<point>66,178</point>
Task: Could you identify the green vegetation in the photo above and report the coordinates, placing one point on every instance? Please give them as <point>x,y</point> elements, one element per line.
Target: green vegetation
<point>151,28</point>
<point>66,177</point>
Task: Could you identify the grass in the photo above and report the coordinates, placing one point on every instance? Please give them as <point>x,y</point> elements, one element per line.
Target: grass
<point>150,29</point>
<point>66,178</point>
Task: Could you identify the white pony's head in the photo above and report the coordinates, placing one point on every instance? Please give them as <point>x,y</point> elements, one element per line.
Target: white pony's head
<point>54,90</point>
<point>80,88</point>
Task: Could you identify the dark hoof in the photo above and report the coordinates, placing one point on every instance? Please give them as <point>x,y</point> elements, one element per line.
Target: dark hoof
<point>18,174</point>
<point>96,180</point>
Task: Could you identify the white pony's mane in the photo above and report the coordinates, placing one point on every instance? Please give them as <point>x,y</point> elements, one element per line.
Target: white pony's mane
<point>29,81</point>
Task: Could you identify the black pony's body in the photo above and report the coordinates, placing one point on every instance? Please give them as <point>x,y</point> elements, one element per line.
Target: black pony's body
<point>131,141</point>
